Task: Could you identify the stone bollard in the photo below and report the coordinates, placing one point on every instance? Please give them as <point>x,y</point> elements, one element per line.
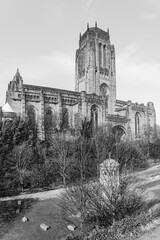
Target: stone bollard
<point>71,227</point>
<point>17,211</point>
<point>44,227</point>
<point>19,202</point>
<point>25,219</point>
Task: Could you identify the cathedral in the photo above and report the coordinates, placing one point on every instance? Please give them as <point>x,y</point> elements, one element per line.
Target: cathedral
<point>94,98</point>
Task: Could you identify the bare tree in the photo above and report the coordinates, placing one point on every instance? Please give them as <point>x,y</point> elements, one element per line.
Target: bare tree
<point>61,153</point>
<point>73,201</point>
<point>100,205</point>
<point>19,161</point>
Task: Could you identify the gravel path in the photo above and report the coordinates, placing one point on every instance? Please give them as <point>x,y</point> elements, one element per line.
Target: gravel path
<point>55,193</point>
<point>40,195</point>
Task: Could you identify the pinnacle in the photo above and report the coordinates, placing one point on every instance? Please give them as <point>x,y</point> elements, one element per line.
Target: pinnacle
<point>17,73</point>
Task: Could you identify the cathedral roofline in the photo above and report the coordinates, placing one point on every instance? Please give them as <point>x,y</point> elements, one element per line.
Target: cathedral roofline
<point>121,102</point>
<point>50,89</point>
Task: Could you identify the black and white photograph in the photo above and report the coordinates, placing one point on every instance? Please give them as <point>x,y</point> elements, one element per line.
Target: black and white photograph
<point>79,119</point>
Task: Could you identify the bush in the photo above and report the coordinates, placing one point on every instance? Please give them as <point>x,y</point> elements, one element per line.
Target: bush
<point>109,205</point>
<point>130,156</point>
<point>119,230</point>
<point>154,149</point>
<point>90,205</point>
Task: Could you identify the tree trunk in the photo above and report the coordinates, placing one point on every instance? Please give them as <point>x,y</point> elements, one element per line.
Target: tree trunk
<point>64,180</point>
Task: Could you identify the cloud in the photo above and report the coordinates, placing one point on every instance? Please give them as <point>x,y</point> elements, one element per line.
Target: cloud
<point>154,2</point>
<point>60,60</point>
<point>131,65</point>
<point>53,11</point>
<point>137,78</point>
<point>149,16</point>
<point>55,70</point>
<point>90,8</point>
<point>88,4</point>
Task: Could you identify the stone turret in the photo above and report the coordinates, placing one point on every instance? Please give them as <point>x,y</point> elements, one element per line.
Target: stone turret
<point>14,94</point>
<point>17,83</point>
<point>151,113</point>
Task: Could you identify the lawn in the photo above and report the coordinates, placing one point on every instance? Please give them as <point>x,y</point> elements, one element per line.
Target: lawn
<point>46,211</point>
<point>38,212</point>
<point>157,193</point>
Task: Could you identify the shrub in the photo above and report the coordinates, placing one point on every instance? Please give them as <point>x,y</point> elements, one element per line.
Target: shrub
<point>154,149</point>
<point>130,156</point>
<point>90,205</point>
<point>121,230</point>
<point>113,204</point>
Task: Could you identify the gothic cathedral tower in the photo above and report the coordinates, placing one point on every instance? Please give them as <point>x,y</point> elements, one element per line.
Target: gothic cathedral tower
<point>95,65</point>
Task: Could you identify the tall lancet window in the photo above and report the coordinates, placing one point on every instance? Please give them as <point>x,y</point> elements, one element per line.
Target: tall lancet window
<point>104,56</point>
<point>31,115</point>
<point>108,53</point>
<point>48,119</point>
<point>83,63</point>
<point>82,60</point>
<point>100,54</point>
<point>137,125</point>
<point>65,119</point>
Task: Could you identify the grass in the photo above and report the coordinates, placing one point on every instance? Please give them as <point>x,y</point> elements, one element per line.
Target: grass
<point>41,212</point>
<point>10,211</point>
<point>157,193</point>
<point>47,211</point>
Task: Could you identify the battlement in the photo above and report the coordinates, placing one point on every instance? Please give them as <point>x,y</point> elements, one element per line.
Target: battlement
<point>116,118</point>
<point>94,32</point>
<point>48,89</point>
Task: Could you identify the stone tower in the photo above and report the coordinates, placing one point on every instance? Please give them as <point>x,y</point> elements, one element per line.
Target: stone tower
<point>14,95</point>
<point>95,65</point>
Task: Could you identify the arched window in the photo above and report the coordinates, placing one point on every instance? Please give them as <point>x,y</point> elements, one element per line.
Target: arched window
<point>94,117</point>
<point>48,120</point>
<point>137,125</point>
<point>31,114</point>
<point>65,119</point>
<point>119,133</point>
<point>104,89</point>
<point>100,54</point>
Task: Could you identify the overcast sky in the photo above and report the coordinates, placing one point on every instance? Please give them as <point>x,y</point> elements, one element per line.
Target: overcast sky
<point>40,38</point>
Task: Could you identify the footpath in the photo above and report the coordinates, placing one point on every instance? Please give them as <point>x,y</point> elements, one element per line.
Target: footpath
<point>55,193</point>
<point>39,195</point>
